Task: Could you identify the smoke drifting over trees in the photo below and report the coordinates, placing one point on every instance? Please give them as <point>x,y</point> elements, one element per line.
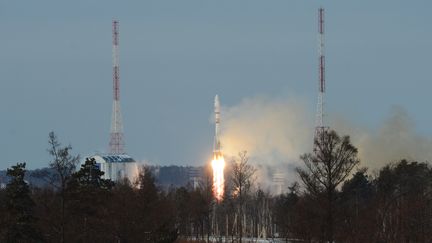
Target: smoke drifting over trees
<point>275,131</point>
<point>394,139</point>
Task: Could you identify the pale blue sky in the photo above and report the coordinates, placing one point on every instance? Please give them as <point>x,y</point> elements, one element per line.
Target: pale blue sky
<point>55,65</point>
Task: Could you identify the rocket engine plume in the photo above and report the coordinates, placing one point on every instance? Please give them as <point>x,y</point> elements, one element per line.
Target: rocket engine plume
<point>218,162</point>
<point>218,165</point>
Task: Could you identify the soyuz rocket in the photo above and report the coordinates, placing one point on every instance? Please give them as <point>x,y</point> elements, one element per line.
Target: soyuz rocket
<point>218,162</point>
<point>217,151</point>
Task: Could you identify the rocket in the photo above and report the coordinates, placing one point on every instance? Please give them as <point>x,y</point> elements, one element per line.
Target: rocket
<point>217,145</point>
<point>218,162</point>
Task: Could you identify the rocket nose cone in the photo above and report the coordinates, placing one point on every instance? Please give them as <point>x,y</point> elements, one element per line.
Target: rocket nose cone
<point>216,101</point>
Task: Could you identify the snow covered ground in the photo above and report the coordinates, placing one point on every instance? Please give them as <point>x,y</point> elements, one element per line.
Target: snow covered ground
<point>250,240</point>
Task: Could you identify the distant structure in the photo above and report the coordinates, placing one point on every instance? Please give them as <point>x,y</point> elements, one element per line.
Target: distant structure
<point>279,183</point>
<point>116,143</point>
<point>195,176</point>
<point>319,126</point>
<point>117,165</point>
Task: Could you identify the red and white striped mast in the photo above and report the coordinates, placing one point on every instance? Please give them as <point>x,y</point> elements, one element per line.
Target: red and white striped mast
<point>116,143</point>
<point>319,126</point>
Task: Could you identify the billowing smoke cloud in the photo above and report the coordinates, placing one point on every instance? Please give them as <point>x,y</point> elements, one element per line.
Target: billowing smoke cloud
<point>276,131</point>
<point>394,140</point>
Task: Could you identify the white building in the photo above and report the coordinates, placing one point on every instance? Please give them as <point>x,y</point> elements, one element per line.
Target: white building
<point>117,167</point>
<point>195,177</point>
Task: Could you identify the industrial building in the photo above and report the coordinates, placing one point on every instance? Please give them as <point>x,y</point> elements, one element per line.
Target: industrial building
<point>117,167</point>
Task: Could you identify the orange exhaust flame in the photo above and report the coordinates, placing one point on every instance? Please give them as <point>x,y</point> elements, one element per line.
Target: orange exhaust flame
<point>218,165</point>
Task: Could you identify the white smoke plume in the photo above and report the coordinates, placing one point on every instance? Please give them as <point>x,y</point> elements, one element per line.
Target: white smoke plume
<point>276,131</point>
<point>395,139</point>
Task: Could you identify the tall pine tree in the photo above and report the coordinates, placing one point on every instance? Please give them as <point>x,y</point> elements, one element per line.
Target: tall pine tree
<point>20,220</point>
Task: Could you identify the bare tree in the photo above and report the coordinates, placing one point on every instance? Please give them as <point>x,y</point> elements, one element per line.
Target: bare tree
<point>64,164</point>
<point>242,179</point>
<point>206,186</point>
<point>330,164</point>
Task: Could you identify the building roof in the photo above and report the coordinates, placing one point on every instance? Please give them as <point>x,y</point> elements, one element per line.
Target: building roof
<point>117,158</point>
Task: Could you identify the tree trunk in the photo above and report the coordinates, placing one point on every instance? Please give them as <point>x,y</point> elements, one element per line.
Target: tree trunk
<point>330,216</point>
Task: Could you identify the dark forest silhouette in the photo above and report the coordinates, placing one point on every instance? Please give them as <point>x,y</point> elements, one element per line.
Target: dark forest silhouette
<point>335,200</point>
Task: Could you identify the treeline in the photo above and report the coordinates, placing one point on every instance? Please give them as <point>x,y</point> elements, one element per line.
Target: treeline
<point>166,176</point>
<point>335,200</point>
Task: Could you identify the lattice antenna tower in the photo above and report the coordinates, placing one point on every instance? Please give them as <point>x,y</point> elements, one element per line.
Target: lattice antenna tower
<point>319,126</point>
<point>116,143</point>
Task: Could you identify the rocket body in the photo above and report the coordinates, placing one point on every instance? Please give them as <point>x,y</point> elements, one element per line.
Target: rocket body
<point>217,145</point>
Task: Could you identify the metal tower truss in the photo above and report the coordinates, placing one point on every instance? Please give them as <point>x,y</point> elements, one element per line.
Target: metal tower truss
<point>116,143</point>
<point>319,123</point>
